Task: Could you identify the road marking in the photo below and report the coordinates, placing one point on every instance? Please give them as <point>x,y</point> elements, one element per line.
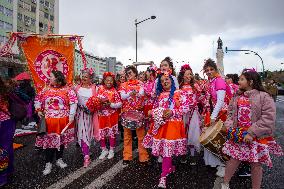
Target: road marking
<point>79,172</point>
<point>278,99</point>
<point>109,174</point>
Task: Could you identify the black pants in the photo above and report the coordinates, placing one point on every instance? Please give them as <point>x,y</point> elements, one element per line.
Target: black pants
<point>51,152</point>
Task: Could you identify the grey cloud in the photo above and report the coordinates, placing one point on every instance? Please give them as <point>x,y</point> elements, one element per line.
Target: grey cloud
<point>112,21</point>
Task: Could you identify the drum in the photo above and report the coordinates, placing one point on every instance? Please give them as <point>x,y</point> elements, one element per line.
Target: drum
<point>132,119</point>
<point>213,140</point>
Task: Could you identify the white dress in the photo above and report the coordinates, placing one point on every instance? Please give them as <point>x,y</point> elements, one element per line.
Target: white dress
<point>84,120</point>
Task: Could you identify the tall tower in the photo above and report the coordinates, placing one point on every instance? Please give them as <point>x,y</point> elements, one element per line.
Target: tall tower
<point>220,57</point>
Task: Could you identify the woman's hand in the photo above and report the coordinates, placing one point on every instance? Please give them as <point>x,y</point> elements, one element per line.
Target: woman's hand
<point>133,93</point>
<point>40,114</point>
<point>167,113</point>
<point>149,113</point>
<point>212,122</point>
<point>248,139</point>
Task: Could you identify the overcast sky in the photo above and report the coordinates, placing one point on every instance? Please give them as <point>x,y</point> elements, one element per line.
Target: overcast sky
<point>186,30</point>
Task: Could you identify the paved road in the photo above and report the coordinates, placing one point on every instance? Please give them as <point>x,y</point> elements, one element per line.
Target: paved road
<point>109,174</point>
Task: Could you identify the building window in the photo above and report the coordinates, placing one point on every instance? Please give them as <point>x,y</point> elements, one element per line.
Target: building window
<point>21,3</point>
<point>41,13</point>
<point>20,29</point>
<point>27,20</point>
<point>46,15</point>
<point>33,21</point>
<point>9,12</point>
<point>1,24</point>
<point>1,9</point>
<point>45,27</point>
<point>46,4</point>
<point>33,9</point>
<point>26,6</point>
<point>51,17</point>
<point>51,6</point>
<point>8,26</point>
<point>20,16</point>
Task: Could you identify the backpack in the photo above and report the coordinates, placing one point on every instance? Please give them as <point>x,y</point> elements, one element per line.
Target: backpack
<point>17,107</point>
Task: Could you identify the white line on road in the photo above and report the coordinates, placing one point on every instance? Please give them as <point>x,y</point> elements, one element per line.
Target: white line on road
<point>109,174</point>
<point>70,178</point>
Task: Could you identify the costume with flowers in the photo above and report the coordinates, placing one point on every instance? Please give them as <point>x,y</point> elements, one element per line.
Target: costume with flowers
<point>257,151</point>
<point>86,120</point>
<point>133,102</point>
<point>191,115</point>
<point>108,115</point>
<point>57,104</point>
<point>216,104</point>
<point>167,138</point>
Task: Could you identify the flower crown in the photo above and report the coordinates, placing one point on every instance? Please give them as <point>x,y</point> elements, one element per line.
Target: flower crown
<point>89,70</point>
<point>246,70</point>
<point>106,74</point>
<point>152,68</point>
<point>185,67</point>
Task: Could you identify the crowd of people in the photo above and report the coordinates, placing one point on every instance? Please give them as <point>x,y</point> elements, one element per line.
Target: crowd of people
<point>167,113</point>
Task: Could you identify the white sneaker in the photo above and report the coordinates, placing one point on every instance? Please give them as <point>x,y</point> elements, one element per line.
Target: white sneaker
<point>110,154</point>
<point>60,163</point>
<point>160,159</point>
<point>47,170</point>
<point>225,186</point>
<point>103,154</point>
<point>221,171</point>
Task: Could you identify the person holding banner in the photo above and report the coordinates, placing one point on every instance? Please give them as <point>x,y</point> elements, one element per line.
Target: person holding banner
<point>57,104</point>
<point>85,120</point>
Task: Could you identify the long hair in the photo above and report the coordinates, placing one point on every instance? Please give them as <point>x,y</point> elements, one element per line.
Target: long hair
<point>210,63</point>
<point>106,74</point>
<point>159,88</point>
<point>133,68</point>
<point>255,78</point>
<point>171,64</point>
<point>184,68</point>
<point>59,77</point>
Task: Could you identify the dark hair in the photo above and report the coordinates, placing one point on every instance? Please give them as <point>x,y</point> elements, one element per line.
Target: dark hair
<point>171,64</point>
<point>159,88</point>
<point>59,77</point>
<point>91,75</point>
<point>210,63</point>
<point>114,81</point>
<point>3,88</point>
<point>255,78</point>
<point>26,87</point>
<point>133,68</point>
<point>181,80</point>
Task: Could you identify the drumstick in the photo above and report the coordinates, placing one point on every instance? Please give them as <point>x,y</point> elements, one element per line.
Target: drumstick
<point>66,127</point>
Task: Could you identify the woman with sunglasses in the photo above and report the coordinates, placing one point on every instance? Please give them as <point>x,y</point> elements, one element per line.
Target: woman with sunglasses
<point>132,95</point>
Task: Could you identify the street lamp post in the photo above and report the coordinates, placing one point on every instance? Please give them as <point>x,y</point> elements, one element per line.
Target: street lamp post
<point>136,24</point>
<point>255,53</point>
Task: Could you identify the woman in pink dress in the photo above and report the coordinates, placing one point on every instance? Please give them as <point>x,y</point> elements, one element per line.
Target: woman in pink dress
<point>57,104</point>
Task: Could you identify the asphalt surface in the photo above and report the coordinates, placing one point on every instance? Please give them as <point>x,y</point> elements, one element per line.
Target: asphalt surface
<point>29,164</point>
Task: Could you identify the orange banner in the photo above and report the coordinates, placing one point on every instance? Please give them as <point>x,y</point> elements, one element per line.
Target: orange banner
<point>45,54</point>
